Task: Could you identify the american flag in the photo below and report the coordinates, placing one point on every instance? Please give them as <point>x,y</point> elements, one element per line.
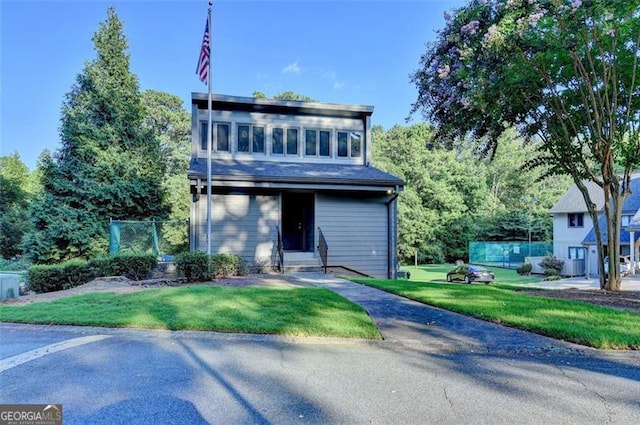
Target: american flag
<point>203,62</point>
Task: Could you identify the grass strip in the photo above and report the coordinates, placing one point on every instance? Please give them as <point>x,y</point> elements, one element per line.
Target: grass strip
<point>438,273</point>
<point>574,321</point>
<point>250,309</point>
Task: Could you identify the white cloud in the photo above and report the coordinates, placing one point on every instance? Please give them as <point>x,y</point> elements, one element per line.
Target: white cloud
<point>293,68</point>
<point>332,77</point>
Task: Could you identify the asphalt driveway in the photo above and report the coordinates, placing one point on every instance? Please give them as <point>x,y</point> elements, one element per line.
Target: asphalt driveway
<point>433,367</point>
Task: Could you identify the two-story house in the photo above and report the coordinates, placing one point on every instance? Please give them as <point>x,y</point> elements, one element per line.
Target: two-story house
<point>574,239</point>
<point>289,177</point>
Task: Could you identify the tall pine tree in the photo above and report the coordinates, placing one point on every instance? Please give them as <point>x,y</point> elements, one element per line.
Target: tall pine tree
<point>109,165</point>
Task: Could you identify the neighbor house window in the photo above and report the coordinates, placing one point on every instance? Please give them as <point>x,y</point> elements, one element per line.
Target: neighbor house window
<point>277,135</point>
<point>576,253</point>
<point>576,220</point>
<point>626,220</point>
<point>250,138</point>
<point>349,144</point>
<point>317,143</point>
<point>222,137</point>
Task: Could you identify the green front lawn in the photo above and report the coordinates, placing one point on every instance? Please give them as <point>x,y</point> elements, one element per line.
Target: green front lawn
<point>438,273</point>
<point>577,322</point>
<point>251,309</point>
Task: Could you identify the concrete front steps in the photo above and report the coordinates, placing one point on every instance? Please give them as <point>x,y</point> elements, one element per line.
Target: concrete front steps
<point>295,262</point>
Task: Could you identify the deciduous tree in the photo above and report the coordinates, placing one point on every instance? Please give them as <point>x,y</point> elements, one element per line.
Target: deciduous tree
<point>15,188</point>
<point>564,72</point>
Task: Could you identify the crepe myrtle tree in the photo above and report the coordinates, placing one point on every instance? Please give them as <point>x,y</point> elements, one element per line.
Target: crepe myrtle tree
<point>563,72</point>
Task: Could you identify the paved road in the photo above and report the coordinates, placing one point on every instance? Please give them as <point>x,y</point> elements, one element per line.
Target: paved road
<point>441,368</point>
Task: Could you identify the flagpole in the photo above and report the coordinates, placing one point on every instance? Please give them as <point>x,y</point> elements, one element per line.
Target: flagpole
<point>209,136</point>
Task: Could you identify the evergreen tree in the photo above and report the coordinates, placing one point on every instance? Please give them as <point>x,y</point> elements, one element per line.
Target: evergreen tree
<point>109,165</point>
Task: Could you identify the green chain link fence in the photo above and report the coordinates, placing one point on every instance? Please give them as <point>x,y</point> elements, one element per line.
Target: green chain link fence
<point>161,238</point>
<point>507,254</point>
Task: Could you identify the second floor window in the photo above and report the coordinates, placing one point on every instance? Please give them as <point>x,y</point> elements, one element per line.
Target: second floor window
<point>279,145</point>
<point>204,126</point>
<point>222,137</point>
<point>349,144</point>
<point>250,138</point>
<point>221,133</point>
<point>292,141</point>
<point>317,143</point>
<point>576,220</point>
<point>276,141</point>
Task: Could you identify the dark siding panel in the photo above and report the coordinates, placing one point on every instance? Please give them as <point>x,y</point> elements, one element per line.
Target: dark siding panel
<point>356,232</point>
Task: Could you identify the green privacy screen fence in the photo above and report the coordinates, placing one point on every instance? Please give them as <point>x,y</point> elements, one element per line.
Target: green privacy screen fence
<point>507,254</point>
<point>160,238</point>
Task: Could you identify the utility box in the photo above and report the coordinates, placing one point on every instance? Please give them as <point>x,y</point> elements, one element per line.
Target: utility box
<point>9,286</point>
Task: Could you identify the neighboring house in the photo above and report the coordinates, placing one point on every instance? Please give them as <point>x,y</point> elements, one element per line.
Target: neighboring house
<point>574,239</point>
<point>294,172</point>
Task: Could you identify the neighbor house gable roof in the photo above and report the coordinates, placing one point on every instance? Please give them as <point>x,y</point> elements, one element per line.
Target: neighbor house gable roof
<point>631,206</point>
<point>573,201</point>
<point>590,239</point>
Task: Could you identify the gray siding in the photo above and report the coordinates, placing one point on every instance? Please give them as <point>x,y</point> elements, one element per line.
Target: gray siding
<point>356,231</point>
<point>241,224</point>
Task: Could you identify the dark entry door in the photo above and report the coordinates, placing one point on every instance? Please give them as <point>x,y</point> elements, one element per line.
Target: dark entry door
<point>297,221</point>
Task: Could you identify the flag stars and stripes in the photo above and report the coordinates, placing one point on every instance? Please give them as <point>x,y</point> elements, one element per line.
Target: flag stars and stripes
<point>205,52</point>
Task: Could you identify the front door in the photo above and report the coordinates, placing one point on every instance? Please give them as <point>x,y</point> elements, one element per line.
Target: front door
<point>298,221</point>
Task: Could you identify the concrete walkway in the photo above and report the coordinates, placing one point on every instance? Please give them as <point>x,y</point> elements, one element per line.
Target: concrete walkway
<point>408,323</point>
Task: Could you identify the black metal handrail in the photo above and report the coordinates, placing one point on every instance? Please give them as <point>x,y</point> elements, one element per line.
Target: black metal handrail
<point>323,249</point>
<point>280,250</point>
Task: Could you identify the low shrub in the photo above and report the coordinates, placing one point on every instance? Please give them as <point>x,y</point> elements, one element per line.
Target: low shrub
<point>132,266</point>
<point>77,272</point>
<point>524,269</point>
<point>46,278</point>
<point>198,266</point>
<point>227,265</point>
<point>56,277</point>
<point>552,266</point>
<point>193,266</point>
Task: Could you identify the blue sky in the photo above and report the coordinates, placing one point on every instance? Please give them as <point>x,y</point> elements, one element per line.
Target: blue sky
<point>354,52</point>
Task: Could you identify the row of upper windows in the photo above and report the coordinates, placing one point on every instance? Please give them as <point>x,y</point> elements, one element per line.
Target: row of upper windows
<point>577,220</point>
<point>284,141</point>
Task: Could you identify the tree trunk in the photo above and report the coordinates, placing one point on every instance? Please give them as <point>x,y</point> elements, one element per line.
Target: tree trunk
<point>616,192</point>
<point>593,213</point>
